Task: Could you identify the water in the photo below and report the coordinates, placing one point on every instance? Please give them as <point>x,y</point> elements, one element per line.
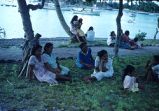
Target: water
<point>47,23</point>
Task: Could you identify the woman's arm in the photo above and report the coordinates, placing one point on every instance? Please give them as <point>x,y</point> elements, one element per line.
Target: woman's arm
<point>49,68</point>
<point>30,71</point>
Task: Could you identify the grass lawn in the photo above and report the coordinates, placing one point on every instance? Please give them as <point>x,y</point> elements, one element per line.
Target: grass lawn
<point>105,95</point>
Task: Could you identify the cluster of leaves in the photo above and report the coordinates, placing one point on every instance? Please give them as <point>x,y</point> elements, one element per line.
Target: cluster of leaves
<point>22,94</point>
<point>141,36</point>
<point>148,7</point>
<point>143,6</point>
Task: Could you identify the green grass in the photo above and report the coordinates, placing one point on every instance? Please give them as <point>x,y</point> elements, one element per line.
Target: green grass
<point>105,95</point>
<point>150,42</point>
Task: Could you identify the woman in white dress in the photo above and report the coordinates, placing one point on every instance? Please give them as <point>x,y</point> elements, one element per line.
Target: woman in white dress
<point>37,66</point>
<point>52,63</point>
<point>129,80</point>
<point>103,67</point>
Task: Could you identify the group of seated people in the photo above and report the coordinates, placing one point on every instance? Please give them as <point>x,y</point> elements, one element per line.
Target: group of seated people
<point>46,68</point>
<point>125,41</point>
<point>78,34</point>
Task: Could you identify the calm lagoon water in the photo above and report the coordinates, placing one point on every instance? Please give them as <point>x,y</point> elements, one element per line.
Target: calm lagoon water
<point>47,23</point>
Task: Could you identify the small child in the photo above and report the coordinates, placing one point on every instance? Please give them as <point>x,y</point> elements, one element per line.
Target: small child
<point>152,68</point>
<point>103,67</point>
<point>128,79</point>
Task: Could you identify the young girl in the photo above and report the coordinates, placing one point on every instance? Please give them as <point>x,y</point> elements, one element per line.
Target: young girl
<point>103,67</point>
<point>152,68</point>
<point>128,79</point>
<point>53,64</point>
<point>37,66</point>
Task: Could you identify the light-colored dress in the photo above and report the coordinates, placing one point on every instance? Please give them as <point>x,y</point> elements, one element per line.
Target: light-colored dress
<point>99,75</point>
<point>90,35</point>
<point>130,83</point>
<point>110,41</point>
<point>156,70</point>
<point>52,61</point>
<point>41,73</point>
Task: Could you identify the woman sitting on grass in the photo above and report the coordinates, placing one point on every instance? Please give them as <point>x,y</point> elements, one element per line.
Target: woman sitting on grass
<point>125,41</point>
<point>38,65</point>
<point>85,59</point>
<point>103,67</point>
<point>112,39</point>
<point>53,64</point>
<point>152,68</point>
<point>129,80</point>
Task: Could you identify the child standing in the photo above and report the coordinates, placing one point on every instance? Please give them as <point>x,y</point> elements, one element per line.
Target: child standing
<point>129,80</point>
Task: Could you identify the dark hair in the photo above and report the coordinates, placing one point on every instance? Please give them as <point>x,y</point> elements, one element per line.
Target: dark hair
<point>74,19</point>
<point>128,70</point>
<point>156,58</point>
<point>35,48</point>
<point>101,53</point>
<point>82,45</point>
<point>47,45</point>
<point>112,33</point>
<point>90,28</point>
<point>38,35</point>
<point>136,39</point>
<point>127,32</point>
<point>80,20</point>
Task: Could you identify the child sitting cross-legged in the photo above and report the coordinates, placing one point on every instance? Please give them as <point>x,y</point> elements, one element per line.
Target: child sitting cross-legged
<point>103,67</point>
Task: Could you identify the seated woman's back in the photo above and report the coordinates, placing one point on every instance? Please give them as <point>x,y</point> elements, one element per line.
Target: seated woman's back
<point>90,34</point>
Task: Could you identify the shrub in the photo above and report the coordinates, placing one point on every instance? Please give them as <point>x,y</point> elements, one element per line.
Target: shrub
<point>141,36</point>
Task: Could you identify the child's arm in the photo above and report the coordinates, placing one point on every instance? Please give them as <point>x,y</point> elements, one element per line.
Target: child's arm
<point>58,64</point>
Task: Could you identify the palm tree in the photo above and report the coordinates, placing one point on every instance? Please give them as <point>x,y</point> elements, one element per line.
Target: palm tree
<point>61,18</point>
<point>27,26</point>
<point>119,30</point>
<point>157,29</point>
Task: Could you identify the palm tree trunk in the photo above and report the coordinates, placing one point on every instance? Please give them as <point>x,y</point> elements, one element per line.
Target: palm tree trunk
<point>157,29</point>
<point>119,30</point>
<point>61,18</point>
<point>29,34</point>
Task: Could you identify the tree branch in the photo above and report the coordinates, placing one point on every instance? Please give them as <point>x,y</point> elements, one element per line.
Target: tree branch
<point>38,6</point>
